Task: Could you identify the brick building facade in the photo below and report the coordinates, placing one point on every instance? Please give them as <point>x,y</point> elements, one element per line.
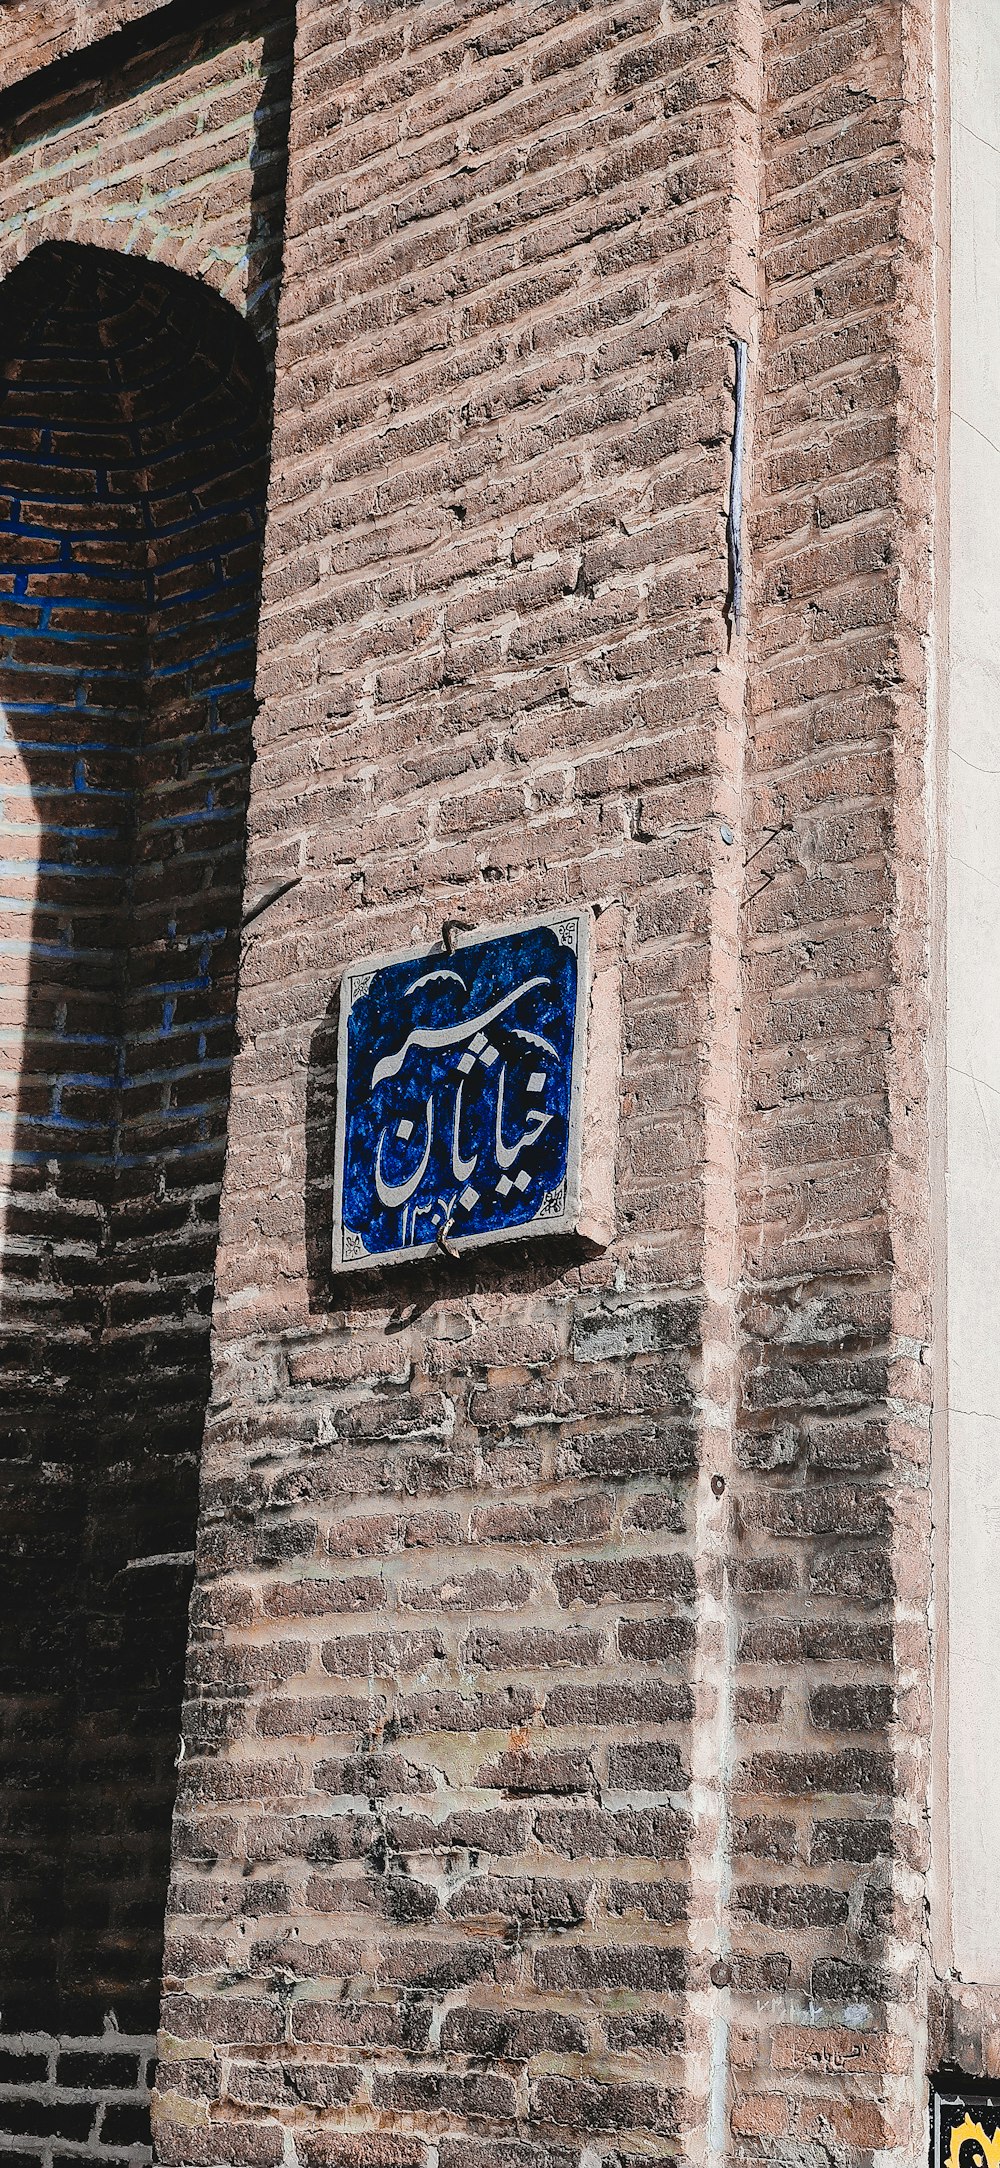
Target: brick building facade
<point>564,1750</point>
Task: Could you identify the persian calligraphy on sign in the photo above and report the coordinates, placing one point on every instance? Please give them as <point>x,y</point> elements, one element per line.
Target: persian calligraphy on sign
<point>458,1093</point>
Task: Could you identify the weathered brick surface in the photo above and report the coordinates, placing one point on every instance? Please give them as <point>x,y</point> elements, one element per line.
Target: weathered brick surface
<point>542,1800</point>
<point>833,1539</point>
<point>134,417</point>
<point>171,148</point>
<point>444,1872</point>
<point>38,33</point>
<point>483,1761</point>
<point>76,2096</point>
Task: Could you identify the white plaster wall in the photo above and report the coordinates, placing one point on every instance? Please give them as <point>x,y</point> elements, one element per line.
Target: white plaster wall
<point>973,970</point>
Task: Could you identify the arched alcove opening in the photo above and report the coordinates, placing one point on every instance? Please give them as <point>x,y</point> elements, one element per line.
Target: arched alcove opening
<point>133,439</point>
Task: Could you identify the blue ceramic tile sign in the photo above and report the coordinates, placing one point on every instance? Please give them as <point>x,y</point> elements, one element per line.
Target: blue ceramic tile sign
<point>459,1087</point>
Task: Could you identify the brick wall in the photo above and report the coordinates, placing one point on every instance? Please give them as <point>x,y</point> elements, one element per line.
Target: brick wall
<point>566,1627</point>
<point>133,433</point>
<point>131,453</point>
<point>832,1541</point>
<point>169,145</point>
<point>555,1762</point>
<point>75,2098</point>
<point>451,1887</point>
<point>37,33</point>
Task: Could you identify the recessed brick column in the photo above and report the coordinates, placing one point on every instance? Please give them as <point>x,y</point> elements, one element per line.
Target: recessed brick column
<point>132,447</point>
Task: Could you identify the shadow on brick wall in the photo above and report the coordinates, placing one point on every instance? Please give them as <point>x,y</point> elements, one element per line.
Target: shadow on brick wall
<point>133,451</point>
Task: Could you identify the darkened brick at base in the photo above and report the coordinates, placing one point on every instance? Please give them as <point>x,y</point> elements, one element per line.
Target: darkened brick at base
<point>90,2098</point>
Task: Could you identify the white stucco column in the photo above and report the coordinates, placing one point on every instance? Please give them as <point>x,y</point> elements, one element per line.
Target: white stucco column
<point>973,1012</point>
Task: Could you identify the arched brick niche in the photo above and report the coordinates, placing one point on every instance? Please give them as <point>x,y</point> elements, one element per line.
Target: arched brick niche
<point>133,434</point>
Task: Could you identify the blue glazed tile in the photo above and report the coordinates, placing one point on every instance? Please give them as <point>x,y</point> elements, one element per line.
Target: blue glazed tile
<point>458,1093</point>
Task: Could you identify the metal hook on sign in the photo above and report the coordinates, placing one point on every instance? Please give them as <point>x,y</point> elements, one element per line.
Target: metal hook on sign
<point>450,932</point>
<point>442,1243</point>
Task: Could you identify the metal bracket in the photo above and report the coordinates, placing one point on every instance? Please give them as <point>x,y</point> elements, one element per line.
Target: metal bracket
<point>450,932</point>
<point>734,523</point>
